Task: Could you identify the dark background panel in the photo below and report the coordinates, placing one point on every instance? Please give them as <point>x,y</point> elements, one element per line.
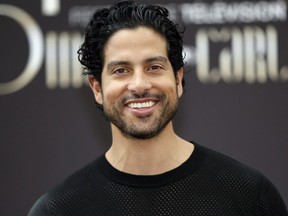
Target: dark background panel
<point>47,133</point>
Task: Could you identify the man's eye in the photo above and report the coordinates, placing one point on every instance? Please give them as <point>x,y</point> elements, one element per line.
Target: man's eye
<point>155,67</point>
<point>120,71</point>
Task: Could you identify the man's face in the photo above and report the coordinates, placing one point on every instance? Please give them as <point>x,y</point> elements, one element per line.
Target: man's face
<point>139,91</point>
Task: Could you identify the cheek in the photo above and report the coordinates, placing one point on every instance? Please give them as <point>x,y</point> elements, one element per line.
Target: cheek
<point>111,93</point>
<point>167,85</point>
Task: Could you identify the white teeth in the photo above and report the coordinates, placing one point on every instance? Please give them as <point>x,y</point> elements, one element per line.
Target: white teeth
<point>141,105</point>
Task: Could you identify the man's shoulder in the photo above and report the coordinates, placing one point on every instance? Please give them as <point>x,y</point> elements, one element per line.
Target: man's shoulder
<point>240,182</point>
<point>70,191</point>
<point>227,168</point>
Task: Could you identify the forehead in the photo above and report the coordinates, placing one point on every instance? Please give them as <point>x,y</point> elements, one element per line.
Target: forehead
<point>134,44</point>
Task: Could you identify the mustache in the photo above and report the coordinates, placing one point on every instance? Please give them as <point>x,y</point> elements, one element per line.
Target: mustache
<point>143,95</point>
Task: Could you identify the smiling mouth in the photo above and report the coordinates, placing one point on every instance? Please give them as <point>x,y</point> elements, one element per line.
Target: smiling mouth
<point>141,105</point>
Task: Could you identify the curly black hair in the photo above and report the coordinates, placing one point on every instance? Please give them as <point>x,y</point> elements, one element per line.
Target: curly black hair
<point>127,15</point>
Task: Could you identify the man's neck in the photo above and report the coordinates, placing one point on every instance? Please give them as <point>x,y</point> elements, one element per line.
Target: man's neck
<point>156,155</point>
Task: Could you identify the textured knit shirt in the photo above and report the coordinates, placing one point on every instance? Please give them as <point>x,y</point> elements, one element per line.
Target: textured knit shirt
<point>208,183</point>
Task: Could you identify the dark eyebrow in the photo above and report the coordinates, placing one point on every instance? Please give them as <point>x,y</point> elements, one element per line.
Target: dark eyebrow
<point>148,60</point>
<point>157,58</point>
<point>117,63</point>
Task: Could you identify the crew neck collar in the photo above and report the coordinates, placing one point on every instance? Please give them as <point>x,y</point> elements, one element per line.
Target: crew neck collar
<point>190,165</point>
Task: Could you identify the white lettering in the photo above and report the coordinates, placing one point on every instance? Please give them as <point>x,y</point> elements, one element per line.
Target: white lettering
<point>62,66</point>
<point>231,12</point>
<point>36,49</point>
<point>252,56</point>
<point>50,7</point>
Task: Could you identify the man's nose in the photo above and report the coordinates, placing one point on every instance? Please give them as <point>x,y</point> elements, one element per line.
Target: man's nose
<point>140,82</point>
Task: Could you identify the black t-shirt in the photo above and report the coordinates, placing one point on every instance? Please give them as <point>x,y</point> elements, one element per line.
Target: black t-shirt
<point>208,183</point>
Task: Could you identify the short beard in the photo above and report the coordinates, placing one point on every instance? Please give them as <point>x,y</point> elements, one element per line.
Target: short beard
<point>153,131</point>
<point>131,131</point>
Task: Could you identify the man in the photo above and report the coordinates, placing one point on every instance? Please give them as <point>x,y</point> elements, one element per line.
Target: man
<point>132,54</point>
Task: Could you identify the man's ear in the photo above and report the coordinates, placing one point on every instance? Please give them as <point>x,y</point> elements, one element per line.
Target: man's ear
<point>179,78</point>
<point>96,88</point>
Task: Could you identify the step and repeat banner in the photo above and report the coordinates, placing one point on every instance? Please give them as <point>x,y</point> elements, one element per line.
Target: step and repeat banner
<point>235,101</point>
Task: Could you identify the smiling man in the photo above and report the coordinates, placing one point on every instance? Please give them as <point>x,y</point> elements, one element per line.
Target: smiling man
<point>140,94</point>
<point>132,55</point>
<point>138,105</point>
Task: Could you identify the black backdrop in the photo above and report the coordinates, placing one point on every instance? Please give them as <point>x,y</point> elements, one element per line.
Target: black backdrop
<point>235,100</point>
